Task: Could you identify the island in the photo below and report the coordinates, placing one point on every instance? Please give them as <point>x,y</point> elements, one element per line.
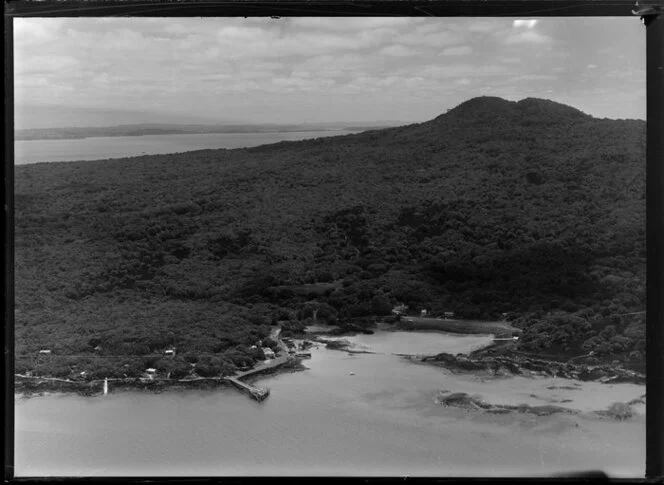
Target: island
<point>527,214</point>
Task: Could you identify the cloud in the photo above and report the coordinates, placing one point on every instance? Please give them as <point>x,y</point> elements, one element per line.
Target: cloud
<point>485,26</point>
<point>25,66</point>
<point>32,31</point>
<point>508,59</point>
<point>529,24</point>
<point>433,39</point>
<point>451,71</point>
<point>523,32</point>
<point>532,77</point>
<point>213,65</point>
<point>457,51</point>
<point>346,24</point>
<point>397,50</point>
<point>528,37</point>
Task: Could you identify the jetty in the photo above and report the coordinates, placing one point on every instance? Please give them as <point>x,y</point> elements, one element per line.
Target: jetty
<point>258,393</point>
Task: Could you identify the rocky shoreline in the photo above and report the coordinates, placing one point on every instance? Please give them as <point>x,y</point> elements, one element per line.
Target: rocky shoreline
<point>515,364</point>
<point>474,402</point>
<point>617,411</point>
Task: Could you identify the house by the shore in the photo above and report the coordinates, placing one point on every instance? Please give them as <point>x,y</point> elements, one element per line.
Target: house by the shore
<point>399,309</point>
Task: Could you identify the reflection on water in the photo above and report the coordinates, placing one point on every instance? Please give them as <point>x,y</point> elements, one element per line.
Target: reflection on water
<point>381,421</point>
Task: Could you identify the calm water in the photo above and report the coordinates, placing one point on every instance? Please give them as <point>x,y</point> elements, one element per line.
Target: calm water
<point>99,148</point>
<point>381,421</point>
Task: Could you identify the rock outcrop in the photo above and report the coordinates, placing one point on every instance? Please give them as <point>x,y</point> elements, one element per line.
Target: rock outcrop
<point>520,365</point>
<point>475,402</point>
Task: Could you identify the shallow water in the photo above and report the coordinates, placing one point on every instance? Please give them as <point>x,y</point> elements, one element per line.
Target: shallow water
<point>381,421</point>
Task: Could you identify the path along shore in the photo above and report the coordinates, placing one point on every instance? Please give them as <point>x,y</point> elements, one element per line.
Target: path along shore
<point>35,384</point>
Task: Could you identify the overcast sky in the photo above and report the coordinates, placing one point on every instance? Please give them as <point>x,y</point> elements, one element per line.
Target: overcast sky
<point>87,71</point>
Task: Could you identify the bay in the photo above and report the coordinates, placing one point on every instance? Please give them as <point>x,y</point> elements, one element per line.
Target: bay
<point>346,415</point>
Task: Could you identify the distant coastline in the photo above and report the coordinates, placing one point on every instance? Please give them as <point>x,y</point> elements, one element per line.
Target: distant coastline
<point>73,133</point>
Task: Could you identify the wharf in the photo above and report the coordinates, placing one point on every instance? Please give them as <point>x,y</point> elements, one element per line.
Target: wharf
<point>258,393</point>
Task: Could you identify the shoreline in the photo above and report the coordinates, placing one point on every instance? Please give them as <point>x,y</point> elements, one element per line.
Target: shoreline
<point>498,357</point>
<point>29,386</point>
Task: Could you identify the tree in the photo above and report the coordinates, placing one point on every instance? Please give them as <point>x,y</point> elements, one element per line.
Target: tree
<point>380,305</point>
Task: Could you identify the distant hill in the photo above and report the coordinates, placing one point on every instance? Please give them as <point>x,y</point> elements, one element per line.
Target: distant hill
<point>531,209</point>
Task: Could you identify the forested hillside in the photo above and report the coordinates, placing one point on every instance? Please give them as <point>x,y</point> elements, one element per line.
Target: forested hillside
<point>529,208</point>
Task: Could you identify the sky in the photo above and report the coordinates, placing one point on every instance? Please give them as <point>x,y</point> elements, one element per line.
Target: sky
<point>108,71</point>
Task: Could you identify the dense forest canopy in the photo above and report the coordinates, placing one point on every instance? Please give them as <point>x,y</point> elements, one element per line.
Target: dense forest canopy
<point>530,210</point>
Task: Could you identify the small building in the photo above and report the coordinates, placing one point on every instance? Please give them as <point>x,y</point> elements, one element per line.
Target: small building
<point>399,309</point>
<point>45,352</point>
<point>448,315</point>
<point>253,347</point>
<point>97,348</point>
<point>151,372</point>
<point>170,352</point>
<point>423,313</point>
<point>269,353</point>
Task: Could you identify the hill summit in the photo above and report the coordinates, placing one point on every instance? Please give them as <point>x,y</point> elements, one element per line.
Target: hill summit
<point>528,109</point>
